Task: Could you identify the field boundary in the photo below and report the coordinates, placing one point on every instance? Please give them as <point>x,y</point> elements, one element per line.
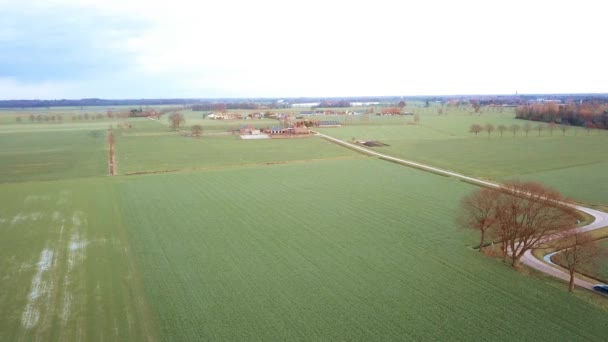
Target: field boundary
<point>600,218</point>
<point>111,155</point>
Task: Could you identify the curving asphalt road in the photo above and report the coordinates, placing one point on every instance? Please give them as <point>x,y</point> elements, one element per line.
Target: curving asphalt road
<point>600,218</point>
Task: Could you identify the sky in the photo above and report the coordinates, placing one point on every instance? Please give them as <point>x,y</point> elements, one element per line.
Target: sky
<point>117,49</point>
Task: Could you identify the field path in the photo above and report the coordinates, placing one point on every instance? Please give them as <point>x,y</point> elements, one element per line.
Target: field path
<point>111,155</point>
<point>600,218</point>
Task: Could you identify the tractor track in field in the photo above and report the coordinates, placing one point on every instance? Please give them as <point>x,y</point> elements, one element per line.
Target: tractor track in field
<point>600,218</point>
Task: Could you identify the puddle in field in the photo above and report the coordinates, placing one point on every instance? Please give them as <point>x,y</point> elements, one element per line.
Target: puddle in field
<point>21,217</point>
<point>39,288</point>
<point>51,295</point>
<point>18,218</point>
<point>78,218</point>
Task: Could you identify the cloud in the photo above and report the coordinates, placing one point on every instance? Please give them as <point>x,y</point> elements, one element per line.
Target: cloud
<point>137,48</point>
<point>12,89</point>
<point>63,44</point>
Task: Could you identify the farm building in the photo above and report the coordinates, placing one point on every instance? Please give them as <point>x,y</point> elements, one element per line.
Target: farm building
<point>248,130</point>
<point>329,123</point>
<point>275,130</point>
<point>301,130</point>
<point>391,111</point>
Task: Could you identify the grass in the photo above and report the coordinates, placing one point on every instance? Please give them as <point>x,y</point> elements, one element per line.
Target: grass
<point>313,252</point>
<point>175,152</point>
<point>573,164</point>
<point>598,271</point>
<point>52,155</point>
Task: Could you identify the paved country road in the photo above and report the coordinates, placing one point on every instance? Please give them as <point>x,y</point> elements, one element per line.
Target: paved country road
<point>600,218</point>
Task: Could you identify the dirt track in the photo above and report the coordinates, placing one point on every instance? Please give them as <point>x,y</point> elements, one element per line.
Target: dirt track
<point>600,218</point>
<point>111,157</point>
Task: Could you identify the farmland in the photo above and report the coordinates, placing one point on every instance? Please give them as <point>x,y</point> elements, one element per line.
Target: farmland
<point>65,269</point>
<point>310,259</point>
<point>572,163</point>
<point>153,153</point>
<point>52,155</point>
<point>295,239</point>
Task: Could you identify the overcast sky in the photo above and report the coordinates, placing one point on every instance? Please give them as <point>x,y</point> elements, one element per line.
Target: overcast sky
<point>52,49</point>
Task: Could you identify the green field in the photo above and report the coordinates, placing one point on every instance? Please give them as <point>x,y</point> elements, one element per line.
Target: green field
<point>295,239</point>
<point>572,163</point>
<point>53,155</point>
<point>343,255</point>
<point>156,153</point>
<point>66,269</point>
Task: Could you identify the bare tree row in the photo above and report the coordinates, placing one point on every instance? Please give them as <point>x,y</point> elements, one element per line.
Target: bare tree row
<point>526,128</point>
<point>521,216</point>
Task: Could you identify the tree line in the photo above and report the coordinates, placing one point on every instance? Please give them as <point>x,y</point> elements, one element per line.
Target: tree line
<point>527,128</point>
<point>592,114</point>
<point>521,216</point>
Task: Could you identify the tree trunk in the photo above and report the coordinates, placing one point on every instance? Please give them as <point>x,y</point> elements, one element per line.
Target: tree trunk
<point>571,283</point>
<point>516,261</point>
<point>481,241</point>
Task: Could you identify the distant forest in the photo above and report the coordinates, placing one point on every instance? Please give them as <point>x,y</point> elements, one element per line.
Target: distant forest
<point>327,102</point>
<point>590,114</point>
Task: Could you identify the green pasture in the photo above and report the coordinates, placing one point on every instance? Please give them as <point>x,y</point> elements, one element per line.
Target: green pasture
<point>53,155</point>
<point>66,266</point>
<point>153,153</point>
<point>573,163</point>
<point>334,250</point>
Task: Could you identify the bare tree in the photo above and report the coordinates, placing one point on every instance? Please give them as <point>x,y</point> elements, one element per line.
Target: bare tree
<point>539,128</point>
<point>599,126</point>
<point>527,128</point>
<point>551,127</point>
<point>176,119</point>
<point>501,129</point>
<point>197,130</point>
<point>563,128</point>
<point>528,213</point>
<point>589,126</point>
<point>514,128</point>
<point>578,250</point>
<point>479,212</point>
<point>475,128</point>
<point>489,129</point>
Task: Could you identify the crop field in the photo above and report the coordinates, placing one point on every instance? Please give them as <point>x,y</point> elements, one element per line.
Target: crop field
<point>330,251</point>
<point>66,272</point>
<point>572,163</point>
<point>290,239</point>
<point>154,153</point>
<point>52,155</point>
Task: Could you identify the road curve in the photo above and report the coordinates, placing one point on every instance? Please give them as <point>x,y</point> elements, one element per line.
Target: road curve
<point>600,218</point>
